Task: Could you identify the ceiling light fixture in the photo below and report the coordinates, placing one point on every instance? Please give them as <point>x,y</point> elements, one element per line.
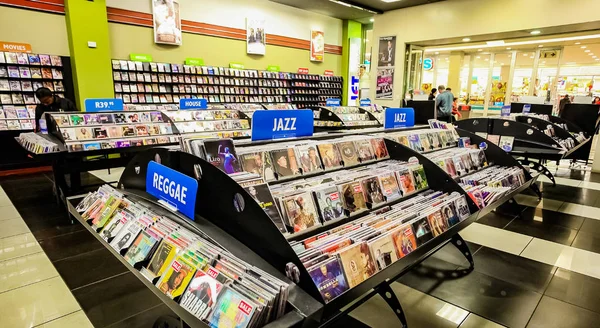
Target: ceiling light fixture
<point>597,59</point>
<point>372,20</point>
<point>577,43</point>
<point>540,46</point>
<point>479,49</point>
<point>587,50</point>
<point>583,47</point>
<point>466,39</point>
<point>478,57</point>
<point>345,4</point>
<point>536,32</point>
<point>508,48</point>
<point>495,43</point>
<point>525,55</point>
<point>437,52</point>
<point>388,1</point>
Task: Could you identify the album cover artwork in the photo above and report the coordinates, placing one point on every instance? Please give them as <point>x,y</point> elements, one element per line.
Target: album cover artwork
<point>232,310</point>
<point>285,163</point>
<point>372,191</point>
<point>330,155</point>
<point>389,186</point>
<point>365,150</point>
<point>329,202</point>
<point>422,231</point>
<point>414,142</point>
<point>353,197</point>
<point>348,152</point>
<point>308,158</point>
<point>201,295</point>
<point>262,195</point>
<point>406,181</point>
<point>76,120</point>
<point>449,214</point>
<point>383,251</point>
<point>437,223</point>
<point>300,211</point>
<point>357,263</point>
<point>329,279</point>
<point>176,277</point>
<point>404,240</point>
<point>420,178</point>
<point>83,133</point>
<point>221,153</point>
<point>92,146</point>
<point>380,148</point>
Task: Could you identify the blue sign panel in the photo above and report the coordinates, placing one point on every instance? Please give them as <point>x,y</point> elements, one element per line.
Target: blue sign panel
<point>399,118</point>
<point>365,102</point>
<point>98,105</point>
<point>526,108</point>
<point>198,103</point>
<point>278,124</point>
<point>175,188</point>
<point>505,111</point>
<point>427,64</point>
<point>332,102</point>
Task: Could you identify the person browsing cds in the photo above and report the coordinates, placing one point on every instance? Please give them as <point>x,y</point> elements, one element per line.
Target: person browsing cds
<point>50,103</point>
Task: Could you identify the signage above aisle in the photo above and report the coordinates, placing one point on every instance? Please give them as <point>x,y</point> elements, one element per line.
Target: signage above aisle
<point>505,111</point>
<point>236,65</point>
<point>273,68</point>
<point>194,61</point>
<point>141,57</point>
<point>328,72</point>
<point>365,102</point>
<point>97,105</point>
<point>193,103</point>
<point>173,188</point>
<point>302,70</point>
<point>15,47</point>
<point>330,102</point>
<point>280,124</point>
<point>526,108</point>
<point>399,118</point>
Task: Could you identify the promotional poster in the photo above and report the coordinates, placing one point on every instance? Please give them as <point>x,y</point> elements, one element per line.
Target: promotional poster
<point>317,46</point>
<point>385,83</point>
<point>387,51</point>
<point>167,22</point>
<point>256,39</point>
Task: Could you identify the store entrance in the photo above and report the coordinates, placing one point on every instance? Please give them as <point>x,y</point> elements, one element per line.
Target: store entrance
<point>414,66</point>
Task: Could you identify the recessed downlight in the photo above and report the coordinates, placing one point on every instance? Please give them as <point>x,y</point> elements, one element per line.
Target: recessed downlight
<point>508,48</point>
<point>587,50</point>
<point>583,47</point>
<point>540,46</point>
<point>466,39</point>
<point>479,49</point>
<point>372,20</point>
<point>535,32</point>
<point>577,43</point>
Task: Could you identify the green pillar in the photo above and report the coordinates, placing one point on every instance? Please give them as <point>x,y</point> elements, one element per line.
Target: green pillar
<point>92,70</point>
<point>350,29</point>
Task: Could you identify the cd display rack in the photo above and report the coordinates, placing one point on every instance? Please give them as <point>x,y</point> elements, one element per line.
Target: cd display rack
<point>344,117</point>
<point>311,91</point>
<point>215,122</point>
<point>21,74</point>
<point>162,83</point>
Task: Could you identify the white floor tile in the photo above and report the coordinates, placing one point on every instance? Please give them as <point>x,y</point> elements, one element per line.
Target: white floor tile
<point>73,320</point>
<point>475,321</point>
<point>19,245</point>
<point>115,174</point>
<point>566,257</point>
<point>25,270</point>
<point>9,212</point>
<point>496,238</point>
<point>581,210</point>
<point>4,200</point>
<point>533,201</point>
<point>590,185</point>
<point>13,227</point>
<point>35,304</point>
<point>561,181</point>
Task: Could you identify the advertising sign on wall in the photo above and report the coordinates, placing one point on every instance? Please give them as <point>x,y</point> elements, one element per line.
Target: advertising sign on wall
<point>385,67</point>
<point>167,22</point>
<point>385,83</point>
<point>387,51</point>
<point>256,39</point>
<point>353,69</point>
<point>317,46</point>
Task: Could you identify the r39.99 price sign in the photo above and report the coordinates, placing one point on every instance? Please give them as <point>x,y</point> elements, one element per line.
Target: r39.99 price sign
<point>97,105</point>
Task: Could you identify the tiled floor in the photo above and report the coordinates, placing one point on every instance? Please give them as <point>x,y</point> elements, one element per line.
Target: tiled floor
<point>541,269</point>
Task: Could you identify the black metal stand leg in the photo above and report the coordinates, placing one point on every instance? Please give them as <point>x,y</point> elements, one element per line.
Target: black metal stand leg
<point>536,189</point>
<point>462,246</point>
<point>510,208</point>
<point>540,168</point>
<point>390,297</point>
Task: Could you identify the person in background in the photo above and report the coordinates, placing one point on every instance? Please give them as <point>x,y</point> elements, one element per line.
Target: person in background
<point>443,103</point>
<point>596,101</point>
<point>563,102</point>
<point>455,112</point>
<point>50,103</point>
<point>433,94</point>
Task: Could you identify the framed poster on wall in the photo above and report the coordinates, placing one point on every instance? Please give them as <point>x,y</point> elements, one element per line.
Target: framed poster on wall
<point>256,39</point>
<point>167,22</point>
<point>385,83</point>
<point>387,51</point>
<point>317,46</point>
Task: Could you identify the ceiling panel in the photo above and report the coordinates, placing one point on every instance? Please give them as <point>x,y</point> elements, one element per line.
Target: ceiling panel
<point>385,6</point>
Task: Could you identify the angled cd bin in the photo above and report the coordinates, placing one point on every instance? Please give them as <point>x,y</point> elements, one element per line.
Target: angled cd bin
<point>326,119</point>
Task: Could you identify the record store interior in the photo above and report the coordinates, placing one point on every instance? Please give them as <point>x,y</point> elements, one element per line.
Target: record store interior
<point>286,163</point>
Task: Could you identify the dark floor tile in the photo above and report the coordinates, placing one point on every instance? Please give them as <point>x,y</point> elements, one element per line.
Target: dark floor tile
<point>588,241</point>
<point>68,245</point>
<point>488,297</point>
<point>145,319</point>
<point>552,217</point>
<point>52,227</point>
<point>430,274</point>
<point>115,299</point>
<point>592,177</point>
<point>523,272</point>
<point>554,313</point>
<point>570,194</point>
<point>42,212</point>
<point>590,226</point>
<point>90,267</point>
<point>451,254</point>
<point>543,230</point>
<point>496,220</point>
<point>575,288</point>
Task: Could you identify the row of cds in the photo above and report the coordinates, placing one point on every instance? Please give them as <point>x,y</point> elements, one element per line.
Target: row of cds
<point>185,88</point>
<point>424,140</point>
<point>36,143</point>
<point>204,278</point>
<point>17,117</point>
<point>22,58</point>
<point>344,257</point>
<point>154,98</point>
<point>459,161</point>
<point>25,72</point>
<point>490,184</point>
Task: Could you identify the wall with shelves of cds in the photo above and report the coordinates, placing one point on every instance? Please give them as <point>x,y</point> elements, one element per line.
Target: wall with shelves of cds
<point>163,83</point>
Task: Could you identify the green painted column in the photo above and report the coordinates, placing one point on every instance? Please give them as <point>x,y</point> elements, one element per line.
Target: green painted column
<point>92,71</point>
<point>350,29</point>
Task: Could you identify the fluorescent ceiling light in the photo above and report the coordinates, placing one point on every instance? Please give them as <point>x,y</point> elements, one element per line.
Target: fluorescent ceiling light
<point>437,52</point>
<point>587,50</point>
<point>518,43</point>
<point>487,59</point>
<point>571,63</point>
<point>479,49</point>
<point>577,42</point>
<point>541,45</point>
<point>466,39</point>
<point>345,4</point>
<point>597,59</point>
<point>508,48</point>
<point>372,20</point>
<point>478,57</point>
<point>583,47</point>
<point>525,55</point>
<point>495,43</point>
<point>536,32</point>
<point>388,1</point>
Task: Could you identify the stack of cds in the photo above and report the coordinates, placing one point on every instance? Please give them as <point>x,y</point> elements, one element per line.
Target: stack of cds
<point>133,107</point>
<point>459,161</point>
<point>17,117</point>
<point>201,121</point>
<point>36,143</point>
<point>491,183</point>
<point>349,116</point>
<point>206,280</point>
<point>425,140</point>
<point>343,257</point>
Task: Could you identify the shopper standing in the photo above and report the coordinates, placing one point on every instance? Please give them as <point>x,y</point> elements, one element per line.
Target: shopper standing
<point>50,103</point>
<point>443,104</point>
<point>433,94</point>
<point>563,102</point>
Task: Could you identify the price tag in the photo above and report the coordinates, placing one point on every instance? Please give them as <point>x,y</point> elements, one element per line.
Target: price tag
<point>191,103</point>
<point>526,108</point>
<point>302,70</point>
<point>279,124</point>
<point>399,118</point>
<point>97,105</point>
<point>331,102</point>
<point>328,72</point>
<point>365,102</point>
<point>172,187</point>
<point>505,111</point>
